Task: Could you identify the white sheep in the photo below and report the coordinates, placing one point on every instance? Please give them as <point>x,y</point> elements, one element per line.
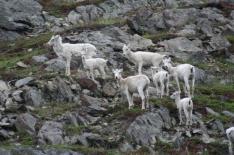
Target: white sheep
<point>141,58</point>
<point>92,64</point>
<point>230,136</point>
<point>186,104</point>
<point>160,79</point>
<point>133,84</point>
<point>181,72</point>
<point>67,50</point>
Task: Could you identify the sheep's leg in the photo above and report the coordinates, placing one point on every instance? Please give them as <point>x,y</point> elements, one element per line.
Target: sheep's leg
<point>140,68</point>
<point>167,86</point>
<point>187,86</point>
<point>92,74</point>
<point>102,70</point>
<point>157,87</point>
<point>142,95</point>
<point>162,89</point>
<point>129,99</point>
<point>146,92</point>
<point>178,84</point>
<point>187,116</point>
<point>68,62</point>
<point>190,117</point>
<point>193,83</point>
<point>180,117</point>
<point>230,147</point>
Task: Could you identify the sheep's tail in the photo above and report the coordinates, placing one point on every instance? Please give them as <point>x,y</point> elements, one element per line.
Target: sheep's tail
<point>193,79</point>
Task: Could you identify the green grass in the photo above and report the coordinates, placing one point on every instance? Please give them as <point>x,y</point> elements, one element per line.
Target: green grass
<point>230,38</point>
<point>165,102</point>
<point>25,43</point>
<point>163,35</point>
<point>55,109</point>
<point>73,130</point>
<point>216,96</point>
<point>8,61</point>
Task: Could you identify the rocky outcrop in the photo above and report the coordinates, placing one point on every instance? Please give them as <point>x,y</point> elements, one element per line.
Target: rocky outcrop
<point>147,128</point>
<point>19,17</point>
<point>51,133</point>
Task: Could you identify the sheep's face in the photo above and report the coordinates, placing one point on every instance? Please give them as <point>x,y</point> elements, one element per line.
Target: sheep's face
<point>117,73</point>
<point>126,50</point>
<point>53,40</point>
<point>166,63</point>
<point>175,95</point>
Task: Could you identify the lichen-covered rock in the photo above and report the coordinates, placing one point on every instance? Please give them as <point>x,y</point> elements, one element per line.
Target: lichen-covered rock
<point>51,133</point>
<point>26,123</point>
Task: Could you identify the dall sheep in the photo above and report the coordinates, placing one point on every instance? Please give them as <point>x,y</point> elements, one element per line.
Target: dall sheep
<point>186,104</point>
<point>182,72</point>
<point>92,64</point>
<point>133,84</point>
<point>160,79</point>
<point>141,58</point>
<point>67,50</point>
<point>230,136</point>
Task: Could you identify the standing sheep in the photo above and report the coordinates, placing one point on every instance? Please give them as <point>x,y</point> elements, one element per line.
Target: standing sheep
<point>67,50</point>
<point>133,84</point>
<point>160,79</point>
<point>92,64</point>
<point>186,104</point>
<point>140,58</point>
<point>182,72</point>
<point>230,136</point>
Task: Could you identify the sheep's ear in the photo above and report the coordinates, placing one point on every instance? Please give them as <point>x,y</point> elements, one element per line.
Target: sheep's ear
<point>113,70</point>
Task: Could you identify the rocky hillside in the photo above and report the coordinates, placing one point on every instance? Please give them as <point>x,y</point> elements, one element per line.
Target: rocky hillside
<point>44,112</point>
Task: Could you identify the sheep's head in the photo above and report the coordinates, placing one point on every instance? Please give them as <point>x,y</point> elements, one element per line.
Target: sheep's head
<point>166,63</point>
<point>117,73</point>
<point>53,40</point>
<point>175,95</point>
<point>126,50</point>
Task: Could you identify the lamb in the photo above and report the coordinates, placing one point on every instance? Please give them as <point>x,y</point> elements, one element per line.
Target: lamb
<point>133,84</point>
<point>95,63</point>
<point>186,104</point>
<point>161,77</point>
<point>182,72</point>
<point>230,136</point>
<point>140,58</point>
<point>67,50</point>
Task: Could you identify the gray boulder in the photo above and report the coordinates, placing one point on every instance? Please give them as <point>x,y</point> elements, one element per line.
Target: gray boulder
<point>181,47</point>
<point>91,140</point>
<point>18,17</point>
<point>109,89</point>
<point>39,58</point>
<point>145,129</point>
<point>23,82</point>
<point>58,90</point>
<point>33,97</point>
<point>217,42</point>
<point>3,86</point>
<point>51,133</point>
<point>26,123</point>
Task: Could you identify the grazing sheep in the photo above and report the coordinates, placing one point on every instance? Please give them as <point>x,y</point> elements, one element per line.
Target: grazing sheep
<point>160,79</point>
<point>230,136</point>
<point>182,72</point>
<point>67,50</point>
<point>186,104</point>
<point>95,63</point>
<point>140,58</point>
<point>133,84</point>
